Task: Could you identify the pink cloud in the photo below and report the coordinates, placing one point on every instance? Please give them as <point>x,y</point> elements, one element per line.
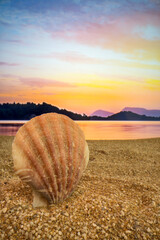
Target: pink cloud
<point>117,34</point>
<point>75,57</point>
<point>41,82</point>
<point>8,64</point>
<point>8,76</point>
<point>48,93</point>
<point>8,85</point>
<point>70,56</point>
<point>4,99</point>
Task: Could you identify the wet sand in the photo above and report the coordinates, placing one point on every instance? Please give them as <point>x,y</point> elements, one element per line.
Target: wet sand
<point>117,197</point>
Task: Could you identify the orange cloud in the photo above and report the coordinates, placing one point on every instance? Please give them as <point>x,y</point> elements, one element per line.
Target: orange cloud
<point>87,98</point>
<point>153,84</point>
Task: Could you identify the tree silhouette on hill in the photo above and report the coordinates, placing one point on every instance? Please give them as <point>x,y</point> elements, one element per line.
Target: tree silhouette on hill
<point>18,111</point>
<point>26,111</point>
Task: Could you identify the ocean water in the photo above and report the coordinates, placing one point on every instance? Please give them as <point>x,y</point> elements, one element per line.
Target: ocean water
<point>101,130</point>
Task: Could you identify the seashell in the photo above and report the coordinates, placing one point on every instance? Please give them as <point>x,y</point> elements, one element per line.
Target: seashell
<point>50,154</point>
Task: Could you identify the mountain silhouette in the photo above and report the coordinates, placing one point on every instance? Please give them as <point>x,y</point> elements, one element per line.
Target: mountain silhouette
<point>102,113</point>
<point>130,116</point>
<point>143,111</point>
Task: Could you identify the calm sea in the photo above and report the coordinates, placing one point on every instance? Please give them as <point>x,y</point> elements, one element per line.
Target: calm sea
<point>98,130</point>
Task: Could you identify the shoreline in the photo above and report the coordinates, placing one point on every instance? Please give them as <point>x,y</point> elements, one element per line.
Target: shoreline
<point>117,197</point>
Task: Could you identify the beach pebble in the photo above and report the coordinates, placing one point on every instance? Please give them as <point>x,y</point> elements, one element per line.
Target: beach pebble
<point>4,210</point>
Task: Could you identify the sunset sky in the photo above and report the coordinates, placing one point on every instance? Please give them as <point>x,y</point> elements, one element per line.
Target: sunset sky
<point>81,55</point>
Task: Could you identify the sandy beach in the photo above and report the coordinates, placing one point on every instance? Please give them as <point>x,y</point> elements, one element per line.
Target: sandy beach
<point>117,197</point>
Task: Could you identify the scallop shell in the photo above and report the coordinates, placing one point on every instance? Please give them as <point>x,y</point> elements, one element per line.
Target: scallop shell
<point>50,154</point>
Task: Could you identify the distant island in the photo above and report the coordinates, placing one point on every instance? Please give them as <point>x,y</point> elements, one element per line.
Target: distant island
<point>138,110</point>
<point>102,113</point>
<point>26,111</point>
<point>127,115</point>
<point>143,111</point>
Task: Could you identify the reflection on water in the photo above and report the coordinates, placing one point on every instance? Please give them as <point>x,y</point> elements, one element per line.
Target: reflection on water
<point>120,129</point>
<point>101,129</point>
<point>9,128</point>
<point>8,131</point>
